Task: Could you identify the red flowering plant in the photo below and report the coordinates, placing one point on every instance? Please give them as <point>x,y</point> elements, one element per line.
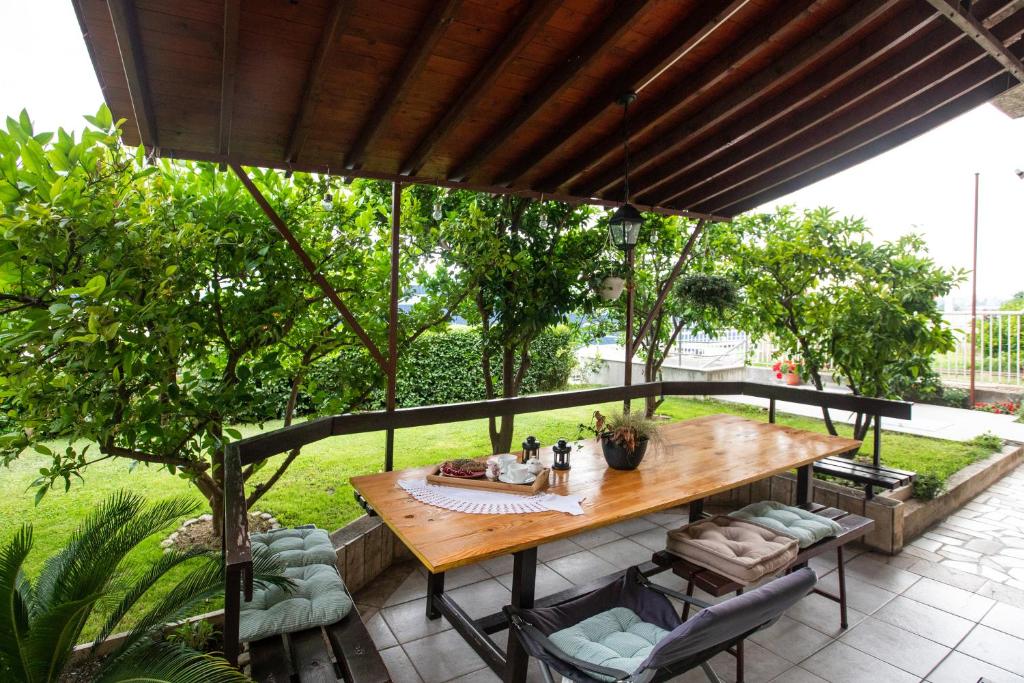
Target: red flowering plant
<point>786,367</point>
<point>998,407</point>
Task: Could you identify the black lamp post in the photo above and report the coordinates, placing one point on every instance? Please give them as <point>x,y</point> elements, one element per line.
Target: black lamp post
<point>624,230</point>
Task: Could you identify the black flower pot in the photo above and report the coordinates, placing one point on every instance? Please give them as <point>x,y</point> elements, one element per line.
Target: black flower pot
<point>618,458</point>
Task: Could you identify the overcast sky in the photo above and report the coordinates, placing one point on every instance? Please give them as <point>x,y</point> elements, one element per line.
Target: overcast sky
<point>925,186</point>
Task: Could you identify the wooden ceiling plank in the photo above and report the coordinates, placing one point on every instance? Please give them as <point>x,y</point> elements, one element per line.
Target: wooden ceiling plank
<point>591,47</point>
<point>690,32</point>
<point>862,70</point>
<point>973,28</point>
<point>129,45</point>
<point>337,19</point>
<point>933,76</point>
<point>826,144</point>
<point>755,42</point>
<point>522,33</point>
<point>747,148</point>
<point>229,73</point>
<point>827,40</point>
<point>433,28</point>
<point>976,97</point>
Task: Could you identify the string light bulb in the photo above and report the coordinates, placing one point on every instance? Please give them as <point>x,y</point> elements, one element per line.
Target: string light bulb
<point>544,221</point>
<point>438,213</point>
<point>328,202</point>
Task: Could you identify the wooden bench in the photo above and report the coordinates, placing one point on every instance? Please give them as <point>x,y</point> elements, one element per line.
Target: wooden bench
<point>854,527</point>
<point>341,651</point>
<point>869,475</point>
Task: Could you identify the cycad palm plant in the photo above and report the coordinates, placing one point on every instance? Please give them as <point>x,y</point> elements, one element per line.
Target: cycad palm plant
<point>42,620</point>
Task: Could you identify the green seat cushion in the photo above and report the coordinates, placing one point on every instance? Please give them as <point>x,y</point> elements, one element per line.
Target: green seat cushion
<point>318,598</point>
<point>297,547</point>
<point>616,638</point>
<point>806,527</point>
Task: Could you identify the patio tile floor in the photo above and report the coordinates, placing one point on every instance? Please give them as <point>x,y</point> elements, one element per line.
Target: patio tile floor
<point>948,609</point>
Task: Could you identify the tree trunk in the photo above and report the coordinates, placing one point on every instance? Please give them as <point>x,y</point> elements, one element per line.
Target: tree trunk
<point>501,428</point>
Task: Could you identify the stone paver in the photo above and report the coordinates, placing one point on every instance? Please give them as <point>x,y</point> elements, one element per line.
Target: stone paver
<point>949,608</point>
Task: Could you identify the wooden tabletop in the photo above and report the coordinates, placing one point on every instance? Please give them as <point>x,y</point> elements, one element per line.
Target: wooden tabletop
<point>691,460</point>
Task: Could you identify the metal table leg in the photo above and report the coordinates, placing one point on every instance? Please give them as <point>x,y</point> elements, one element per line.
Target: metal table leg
<point>804,485</point>
<point>524,580</point>
<point>435,589</point>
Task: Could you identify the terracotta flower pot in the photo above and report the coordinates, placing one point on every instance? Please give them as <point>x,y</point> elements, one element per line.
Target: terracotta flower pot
<point>618,458</point>
<point>611,288</point>
<point>792,379</point>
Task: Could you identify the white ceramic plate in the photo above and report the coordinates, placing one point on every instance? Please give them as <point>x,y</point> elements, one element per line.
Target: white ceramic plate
<point>530,478</point>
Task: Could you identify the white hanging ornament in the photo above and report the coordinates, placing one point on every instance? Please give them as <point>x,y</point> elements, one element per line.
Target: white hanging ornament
<point>438,214</point>
<point>544,221</point>
<point>328,202</point>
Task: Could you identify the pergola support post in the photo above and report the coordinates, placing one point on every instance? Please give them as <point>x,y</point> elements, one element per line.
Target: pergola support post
<point>390,401</point>
<point>307,262</point>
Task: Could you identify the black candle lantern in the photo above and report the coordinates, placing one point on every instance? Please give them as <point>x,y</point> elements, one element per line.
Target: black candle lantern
<point>531,448</point>
<point>561,451</point>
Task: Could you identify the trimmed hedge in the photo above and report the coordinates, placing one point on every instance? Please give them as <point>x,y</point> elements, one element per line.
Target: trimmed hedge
<point>439,367</point>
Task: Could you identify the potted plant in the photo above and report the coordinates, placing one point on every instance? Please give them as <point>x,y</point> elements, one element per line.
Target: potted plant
<point>609,280</point>
<point>624,437</point>
<point>789,370</point>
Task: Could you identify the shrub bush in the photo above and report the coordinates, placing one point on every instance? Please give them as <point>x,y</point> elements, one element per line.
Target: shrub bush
<point>439,367</point>
<point>928,485</point>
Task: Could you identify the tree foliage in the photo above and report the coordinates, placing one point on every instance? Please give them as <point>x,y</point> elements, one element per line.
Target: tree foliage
<point>823,292</point>
<point>141,306</point>
<point>526,266</point>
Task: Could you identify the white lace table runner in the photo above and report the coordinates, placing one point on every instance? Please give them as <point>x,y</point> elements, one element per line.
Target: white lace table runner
<point>488,502</point>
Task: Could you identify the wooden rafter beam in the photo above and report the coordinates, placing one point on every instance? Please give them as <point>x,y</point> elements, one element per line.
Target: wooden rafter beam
<point>594,45</point>
<point>129,45</point>
<point>337,18</point>
<point>433,28</point>
<point>976,97</point>
<point>791,66</point>
<point>705,18</point>
<point>526,28</point>
<point>844,135</point>
<point>229,72</point>
<point>311,267</point>
<point>760,39</point>
<point>911,70</point>
<point>976,31</point>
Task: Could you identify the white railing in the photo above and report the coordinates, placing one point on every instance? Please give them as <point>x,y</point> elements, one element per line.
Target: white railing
<point>999,358</point>
<point>698,350</point>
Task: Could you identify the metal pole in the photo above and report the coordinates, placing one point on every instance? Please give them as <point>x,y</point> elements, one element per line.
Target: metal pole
<point>974,288</point>
<point>627,369</point>
<point>396,226</point>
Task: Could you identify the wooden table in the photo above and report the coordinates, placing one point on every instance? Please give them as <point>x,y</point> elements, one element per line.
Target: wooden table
<point>690,461</point>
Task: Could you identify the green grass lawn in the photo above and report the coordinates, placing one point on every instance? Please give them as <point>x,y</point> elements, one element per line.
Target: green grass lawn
<point>316,490</point>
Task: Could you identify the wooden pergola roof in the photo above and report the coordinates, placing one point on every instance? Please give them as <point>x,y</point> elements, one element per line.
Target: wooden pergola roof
<point>740,101</point>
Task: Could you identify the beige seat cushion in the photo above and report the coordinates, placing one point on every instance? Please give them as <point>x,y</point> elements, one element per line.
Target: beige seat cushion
<point>735,548</point>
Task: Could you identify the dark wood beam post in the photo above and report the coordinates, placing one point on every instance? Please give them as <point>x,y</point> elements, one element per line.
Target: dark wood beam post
<point>396,227</point>
<point>536,15</point>
<point>307,262</point>
<point>627,367</point>
<point>434,26</point>
<point>228,73</point>
<point>976,31</point>
<point>593,45</point>
<point>126,30</point>
<point>677,269</point>
<point>340,12</point>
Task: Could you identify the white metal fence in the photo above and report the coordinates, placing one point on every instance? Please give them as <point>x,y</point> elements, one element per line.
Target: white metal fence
<point>999,358</point>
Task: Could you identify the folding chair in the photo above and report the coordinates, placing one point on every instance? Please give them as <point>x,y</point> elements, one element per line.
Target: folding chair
<point>629,631</point>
